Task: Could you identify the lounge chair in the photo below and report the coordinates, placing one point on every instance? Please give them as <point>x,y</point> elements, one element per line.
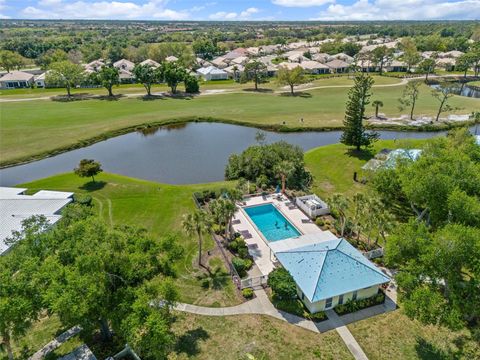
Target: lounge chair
<point>306,221</point>
<point>236,222</point>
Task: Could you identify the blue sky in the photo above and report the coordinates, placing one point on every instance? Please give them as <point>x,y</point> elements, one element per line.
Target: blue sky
<point>237,10</point>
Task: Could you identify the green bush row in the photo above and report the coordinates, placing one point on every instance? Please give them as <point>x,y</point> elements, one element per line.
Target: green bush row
<point>352,306</point>
<point>242,265</point>
<point>296,307</point>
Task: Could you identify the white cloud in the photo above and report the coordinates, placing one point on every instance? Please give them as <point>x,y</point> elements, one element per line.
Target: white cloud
<point>3,7</point>
<point>243,15</point>
<point>402,10</point>
<point>49,2</point>
<point>301,3</point>
<point>57,9</point>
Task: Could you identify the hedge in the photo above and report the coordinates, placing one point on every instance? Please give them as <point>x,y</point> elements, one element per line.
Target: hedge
<point>352,306</point>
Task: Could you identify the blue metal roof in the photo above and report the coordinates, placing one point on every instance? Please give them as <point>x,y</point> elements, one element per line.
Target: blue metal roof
<point>330,268</point>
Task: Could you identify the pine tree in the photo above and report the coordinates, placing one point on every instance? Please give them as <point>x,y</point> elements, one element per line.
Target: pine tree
<point>354,133</point>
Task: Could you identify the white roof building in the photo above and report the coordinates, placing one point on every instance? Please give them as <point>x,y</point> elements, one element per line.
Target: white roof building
<point>212,73</point>
<point>124,64</point>
<point>171,58</point>
<point>16,79</point>
<point>150,62</point>
<point>15,207</point>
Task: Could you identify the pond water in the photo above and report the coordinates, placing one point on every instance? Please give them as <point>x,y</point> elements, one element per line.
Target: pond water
<point>185,154</point>
<point>463,91</point>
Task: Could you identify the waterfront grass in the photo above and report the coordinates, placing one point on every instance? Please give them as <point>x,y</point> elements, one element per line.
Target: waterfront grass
<point>333,166</point>
<point>34,129</point>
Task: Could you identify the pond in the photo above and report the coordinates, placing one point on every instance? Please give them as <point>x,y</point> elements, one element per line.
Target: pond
<point>185,154</point>
<point>464,90</point>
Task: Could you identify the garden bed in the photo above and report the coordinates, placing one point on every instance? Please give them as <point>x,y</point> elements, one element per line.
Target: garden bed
<point>296,307</point>
<point>353,306</point>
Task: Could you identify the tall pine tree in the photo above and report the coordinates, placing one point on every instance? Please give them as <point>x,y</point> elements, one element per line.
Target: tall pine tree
<point>354,133</point>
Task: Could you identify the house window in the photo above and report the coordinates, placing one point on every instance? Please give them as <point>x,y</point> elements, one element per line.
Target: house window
<point>328,303</point>
<point>354,296</point>
<point>340,300</point>
<point>303,296</point>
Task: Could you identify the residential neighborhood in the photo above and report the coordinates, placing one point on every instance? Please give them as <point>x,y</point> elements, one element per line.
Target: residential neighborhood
<point>282,180</point>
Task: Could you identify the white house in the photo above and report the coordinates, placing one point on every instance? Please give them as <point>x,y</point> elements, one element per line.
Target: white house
<point>171,58</point>
<point>16,80</point>
<point>124,64</point>
<point>40,80</point>
<point>314,67</point>
<point>15,207</point>
<point>151,63</point>
<point>212,73</point>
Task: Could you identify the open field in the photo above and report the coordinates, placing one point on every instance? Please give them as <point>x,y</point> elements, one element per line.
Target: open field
<point>394,336</point>
<point>34,129</point>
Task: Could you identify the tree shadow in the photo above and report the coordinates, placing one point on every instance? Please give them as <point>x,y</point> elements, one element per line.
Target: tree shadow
<point>110,98</point>
<point>73,97</point>
<point>181,96</point>
<point>216,279</point>
<point>261,90</point>
<point>300,94</point>
<point>152,97</point>
<point>362,154</point>
<point>188,342</point>
<point>93,186</point>
<point>428,351</point>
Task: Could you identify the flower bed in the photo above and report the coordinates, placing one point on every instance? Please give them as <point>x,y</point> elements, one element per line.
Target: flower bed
<point>352,306</point>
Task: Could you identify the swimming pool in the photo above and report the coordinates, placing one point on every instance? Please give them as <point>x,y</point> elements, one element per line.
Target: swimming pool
<point>273,225</point>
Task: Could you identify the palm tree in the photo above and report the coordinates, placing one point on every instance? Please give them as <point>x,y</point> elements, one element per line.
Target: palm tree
<point>284,169</point>
<point>197,223</point>
<point>235,72</point>
<point>222,211</point>
<point>377,104</point>
<point>339,204</point>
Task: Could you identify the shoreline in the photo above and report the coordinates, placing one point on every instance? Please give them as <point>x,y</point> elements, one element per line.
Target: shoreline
<point>267,127</point>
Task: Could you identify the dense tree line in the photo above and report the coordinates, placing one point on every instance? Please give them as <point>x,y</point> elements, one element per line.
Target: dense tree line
<point>92,275</point>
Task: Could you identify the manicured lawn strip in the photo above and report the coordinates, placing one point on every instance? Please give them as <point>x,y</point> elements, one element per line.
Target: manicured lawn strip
<point>33,129</point>
<point>266,338</point>
<point>158,208</point>
<point>332,166</point>
<point>204,85</point>
<point>42,332</point>
<point>395,336</point>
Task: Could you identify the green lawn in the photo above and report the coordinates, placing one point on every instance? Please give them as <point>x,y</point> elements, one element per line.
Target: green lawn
<point>332,166</point>
<point>33,129</point>
<point>158,208</point>
<point>266,338</point>
<point>394,336</point>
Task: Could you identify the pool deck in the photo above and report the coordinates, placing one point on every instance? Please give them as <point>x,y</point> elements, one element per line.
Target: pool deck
<point>258,247</point>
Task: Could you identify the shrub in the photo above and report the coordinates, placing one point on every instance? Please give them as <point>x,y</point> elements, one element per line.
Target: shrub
<point>191,84</point>
<point>282,284</point>
<point>318,316</point>
<point>242,265</point>
<point>83,199</point>
<point>352,306</point>
<point>247,293</point>
<point>319,222</point>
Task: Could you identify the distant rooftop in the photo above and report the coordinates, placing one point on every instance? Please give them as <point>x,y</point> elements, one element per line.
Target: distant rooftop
<point>82,352</point>
<point>330,268</point>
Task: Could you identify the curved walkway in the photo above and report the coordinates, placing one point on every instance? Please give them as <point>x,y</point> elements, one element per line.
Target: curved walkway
<point>262,305</point>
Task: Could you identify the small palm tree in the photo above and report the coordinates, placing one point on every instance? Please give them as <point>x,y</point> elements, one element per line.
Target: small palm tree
<point>377,104</point>
<point>339,204</point>
<point>235,72</point>
<point>284,169</point>
<point>197,223</point>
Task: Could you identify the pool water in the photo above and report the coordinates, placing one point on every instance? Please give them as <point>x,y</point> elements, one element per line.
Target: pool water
<point>273,225</point>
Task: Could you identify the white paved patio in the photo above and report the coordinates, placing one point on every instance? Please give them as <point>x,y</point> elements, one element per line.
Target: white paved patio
<point>259,248</point>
